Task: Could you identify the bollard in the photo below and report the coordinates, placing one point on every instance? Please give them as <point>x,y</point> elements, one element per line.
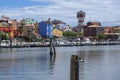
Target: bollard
<point>74,68</point>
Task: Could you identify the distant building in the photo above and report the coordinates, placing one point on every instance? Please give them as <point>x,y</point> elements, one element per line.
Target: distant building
<point>80,17</point>
<point>116,29</point>
<point>93,29</point>
<point>14,24</point>
<point>46,29</point>
<point>5,27</point>
<point>112,33</point>
<point>61,25</point>
<point>57,32</point>
<point>89,31</point>
<point>30,27</point>
<point>28,21</point>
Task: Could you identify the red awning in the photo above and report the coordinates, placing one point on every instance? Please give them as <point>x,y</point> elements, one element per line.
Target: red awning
<point>4,29</point>
<point>1,29</point>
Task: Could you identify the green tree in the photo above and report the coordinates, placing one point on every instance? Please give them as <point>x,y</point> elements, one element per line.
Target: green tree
<point>29,35</point>
<point>101,36</point>
<point>69,34</point>
<point>7,37</point>
<point>1,34</point>
<point>80,33</point>
<point>4,36</point>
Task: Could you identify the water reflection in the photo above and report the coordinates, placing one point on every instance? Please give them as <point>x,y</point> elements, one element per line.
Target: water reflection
<point>103,63</point>
<point>36,63</point>
<point>52,62</point>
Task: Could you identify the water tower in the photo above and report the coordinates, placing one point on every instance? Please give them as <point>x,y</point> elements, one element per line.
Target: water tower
<point>80,17</point>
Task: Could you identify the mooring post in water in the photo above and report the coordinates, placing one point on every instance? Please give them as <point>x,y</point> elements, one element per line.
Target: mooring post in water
<point>51,50</point>
<point>74,67</point>
<point>10,43</point>
<point>54,49</point>
<point>0,43</point>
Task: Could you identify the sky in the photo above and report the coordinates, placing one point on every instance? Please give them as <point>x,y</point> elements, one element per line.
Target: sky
<point>107,11</point>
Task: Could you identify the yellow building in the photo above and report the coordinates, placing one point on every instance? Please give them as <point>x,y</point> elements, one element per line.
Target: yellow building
<point>4,23</point>
<point>57,32</point>
<point>116,29</point>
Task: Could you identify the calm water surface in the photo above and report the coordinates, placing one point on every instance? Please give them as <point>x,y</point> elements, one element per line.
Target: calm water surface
<point>101,62</point>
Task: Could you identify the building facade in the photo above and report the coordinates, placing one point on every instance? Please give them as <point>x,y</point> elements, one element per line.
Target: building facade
<point>93,29</point>
<point>4,27</point>
<point>28,21</point>
<point>80,17</point>
<point>46,29</point>
<point>57,32</point>
<point>30,27</point>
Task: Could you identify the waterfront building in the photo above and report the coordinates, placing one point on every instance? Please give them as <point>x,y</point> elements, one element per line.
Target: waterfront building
<point>66,28</point>
<point>57,32</point>
<point>14,24</point>
<point>28,21</point>
<point>4,27</point>
<point>112,33</point>
<point>116,29</point>
<point>61,25</point>
<point>46,29</point>
<point>30,27</point>
<point>93,29</point>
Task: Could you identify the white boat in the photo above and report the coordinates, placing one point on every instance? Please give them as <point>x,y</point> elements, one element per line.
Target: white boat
<point>86,41</point>
<point>5,43</point>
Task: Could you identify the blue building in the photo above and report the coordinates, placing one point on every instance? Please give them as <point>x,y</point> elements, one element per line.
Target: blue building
<point>46,29</point>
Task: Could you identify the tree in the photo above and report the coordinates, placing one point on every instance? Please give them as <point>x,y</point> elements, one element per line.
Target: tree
<point>69,34</point>
<point>4,36</point>
<point>1,34</point>
<point>7,37</point>
<point>101,36</point>
<point>80,33</point>
<point>29,35</point>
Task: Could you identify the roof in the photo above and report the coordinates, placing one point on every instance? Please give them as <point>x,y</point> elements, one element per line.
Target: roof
<point>94,26</point>
<point>94,23</point>
<point>3,20</point>
<point>57,28</point>
<point>57,22</point>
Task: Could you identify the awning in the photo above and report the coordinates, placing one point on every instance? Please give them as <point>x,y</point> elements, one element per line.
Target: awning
<point>4,29</point>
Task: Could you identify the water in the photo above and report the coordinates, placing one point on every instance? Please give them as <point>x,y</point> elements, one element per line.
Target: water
<point>101,62</point>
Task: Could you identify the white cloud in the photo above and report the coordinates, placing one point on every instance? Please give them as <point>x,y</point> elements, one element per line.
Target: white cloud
<point>66,10</point>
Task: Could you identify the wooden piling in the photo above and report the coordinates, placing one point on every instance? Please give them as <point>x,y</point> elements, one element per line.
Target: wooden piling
<point>51,50</point>
<point>74,68</point>
<point>10,43</point>
<point>54,49</point>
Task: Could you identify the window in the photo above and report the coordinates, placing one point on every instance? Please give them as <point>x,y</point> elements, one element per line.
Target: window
<point>4,24</point>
